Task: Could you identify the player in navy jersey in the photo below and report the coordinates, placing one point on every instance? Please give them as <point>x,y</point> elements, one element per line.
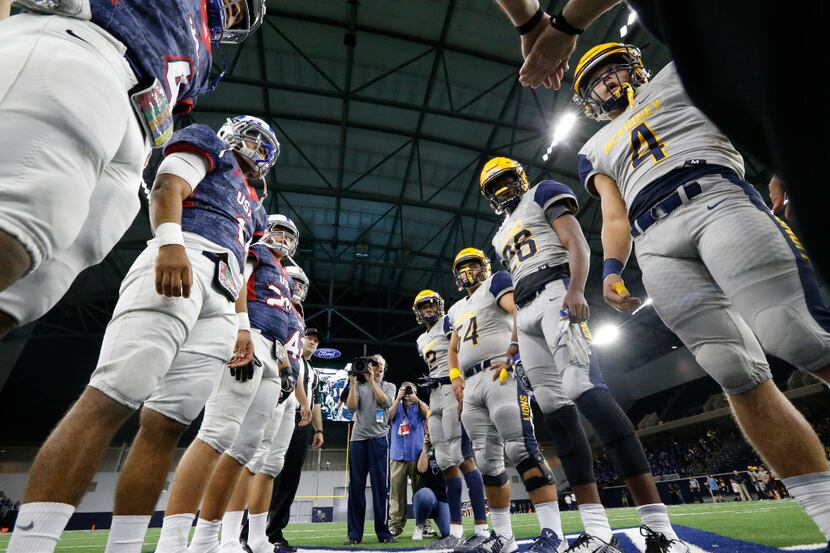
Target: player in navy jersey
<point>173,329</point>
<point>84,94</point>
<point>254,489</point>
<point>238,410</point>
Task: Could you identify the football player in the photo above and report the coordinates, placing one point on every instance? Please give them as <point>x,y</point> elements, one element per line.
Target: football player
<point>725,275</point>
<point>238,410</point>
<point>173,329</point>
<point>90,136</point>
<point>541,243</point>
<point>453,450</point>
<point>256,484</point>
<point>496,410</point>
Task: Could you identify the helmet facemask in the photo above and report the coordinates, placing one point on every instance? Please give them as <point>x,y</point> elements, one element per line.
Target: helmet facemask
<point>624,59</point>
<point>281,239</point>
<point>429,310</point>
<point>300,291</point>
<point>504,191</point>
<point>470,272</point>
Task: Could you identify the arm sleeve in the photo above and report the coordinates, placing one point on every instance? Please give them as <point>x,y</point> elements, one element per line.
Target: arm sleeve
<point>500,284</point>
<point>590,164</point>
<point>185,165</point>
<point>555,211</point>
<point>447,326</point>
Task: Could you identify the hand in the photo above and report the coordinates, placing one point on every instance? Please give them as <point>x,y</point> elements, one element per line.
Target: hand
<point>616,295</point>
<point>576,305</point>
<point>317,440</point>
<point>305,415</point>
<point>497,369</point>
<point>174,276</point>
<point>547,60</point>
<point>245,372</point>
<point>243,351</point>
<point>458,389</point>
<point>401,394</point>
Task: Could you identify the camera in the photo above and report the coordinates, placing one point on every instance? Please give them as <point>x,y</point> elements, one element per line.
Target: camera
<point>408,390</point>
<point>360,366</point>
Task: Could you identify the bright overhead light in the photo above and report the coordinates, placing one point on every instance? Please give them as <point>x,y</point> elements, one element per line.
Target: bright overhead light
<point>561,129</point>
<point>606,334</point>
<point>623,31</point>
<point>632,17</point>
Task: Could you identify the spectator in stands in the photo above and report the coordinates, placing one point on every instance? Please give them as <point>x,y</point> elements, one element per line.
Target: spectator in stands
<point>407,416</point>
<point>430,497</point>
<point>694,490</point>
<point>714,490</point>
<point>369,400</point>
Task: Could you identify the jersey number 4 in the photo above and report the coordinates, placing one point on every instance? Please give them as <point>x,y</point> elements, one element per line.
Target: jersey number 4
<point>645,144</point>
<point>472,332</point>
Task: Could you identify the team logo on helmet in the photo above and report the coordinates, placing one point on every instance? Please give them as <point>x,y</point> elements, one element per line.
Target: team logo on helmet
<point>622,57</point>
<point>281,235</point>
<point>470,267</point>
<point>253,139</point>
<point>300,280</point>
<point>424,300</point>
<point>503,181</point>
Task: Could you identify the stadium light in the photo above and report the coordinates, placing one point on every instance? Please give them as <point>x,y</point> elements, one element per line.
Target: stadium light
<point>561,130</point>
<point>632,17</point>
<point>606,334</point>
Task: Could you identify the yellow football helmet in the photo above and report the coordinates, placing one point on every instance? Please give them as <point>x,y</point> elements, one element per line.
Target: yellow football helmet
<point>623,56</point>
<point>423,298</point>
<point>503,194</point>
<point>467,277</point>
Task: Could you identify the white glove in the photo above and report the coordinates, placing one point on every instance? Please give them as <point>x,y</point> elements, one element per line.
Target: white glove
<point>571,336</point>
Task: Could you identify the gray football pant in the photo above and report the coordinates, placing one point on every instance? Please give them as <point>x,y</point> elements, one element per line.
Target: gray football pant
<point>445,427</point>
<point>732,281</point>
<point>555,380</point>
<point>499,421</point>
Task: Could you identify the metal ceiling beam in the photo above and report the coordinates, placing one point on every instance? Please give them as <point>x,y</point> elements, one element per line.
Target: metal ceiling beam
<point>385,102</point>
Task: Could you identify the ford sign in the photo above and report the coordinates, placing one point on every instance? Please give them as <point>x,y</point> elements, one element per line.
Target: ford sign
<point>327,353</point>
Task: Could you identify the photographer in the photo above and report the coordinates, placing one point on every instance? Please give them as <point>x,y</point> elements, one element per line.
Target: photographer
<point>407,417</point>
<point>369,399</point>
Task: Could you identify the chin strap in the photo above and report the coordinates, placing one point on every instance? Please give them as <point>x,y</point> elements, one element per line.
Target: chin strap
<point>629,93</point>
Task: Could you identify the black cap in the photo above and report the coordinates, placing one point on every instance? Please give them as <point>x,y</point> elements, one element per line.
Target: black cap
<point>311,330</point>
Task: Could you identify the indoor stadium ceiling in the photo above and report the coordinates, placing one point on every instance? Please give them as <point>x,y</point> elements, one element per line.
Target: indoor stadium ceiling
<point>386,112</point>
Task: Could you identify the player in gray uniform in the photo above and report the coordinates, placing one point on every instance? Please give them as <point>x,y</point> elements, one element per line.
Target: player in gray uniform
<point>496,409</point>
<point>453,450</point>
<point>541,243</point>
<point>725,275</point>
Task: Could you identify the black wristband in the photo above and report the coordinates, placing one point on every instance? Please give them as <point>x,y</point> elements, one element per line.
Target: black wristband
<point>528,25</point>
<point>318,431</point>
<point>559,23</point>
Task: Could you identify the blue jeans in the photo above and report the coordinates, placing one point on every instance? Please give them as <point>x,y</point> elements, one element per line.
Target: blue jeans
<point>426,505</point>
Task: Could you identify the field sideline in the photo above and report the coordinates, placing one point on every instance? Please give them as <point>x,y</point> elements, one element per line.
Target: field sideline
<point>770,525</point>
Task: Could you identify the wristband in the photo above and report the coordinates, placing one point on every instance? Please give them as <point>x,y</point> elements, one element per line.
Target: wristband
<point>454,373</point>
<point>169,233</point>
<point>242,322</point>
<point>514,344</point>
<point>318,431</point>
<point>612,266</point>
<point>528,25</point>
<point>559,23</point>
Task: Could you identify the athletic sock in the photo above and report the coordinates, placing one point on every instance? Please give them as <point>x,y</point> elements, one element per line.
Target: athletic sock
<point>39,527</point>
<point>174,533</point>
<point>256,527</point>
<point>548,515</point>
<point>206,534</point>
<point>656,517</point>
<point>127,533</point>
<point>454,498</point>
<point>501,521</point>
<point>482,530</point>
<point>595,521</point>
<point>812,491</point>
<point>475,487</point>
<point>231,526</point>
<point>457,530</point>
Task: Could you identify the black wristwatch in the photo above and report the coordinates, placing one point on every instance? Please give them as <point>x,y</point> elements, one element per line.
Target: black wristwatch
<point>559,23</point>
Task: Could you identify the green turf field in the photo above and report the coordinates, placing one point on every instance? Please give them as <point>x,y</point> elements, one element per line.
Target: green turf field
<point>776,524</point>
